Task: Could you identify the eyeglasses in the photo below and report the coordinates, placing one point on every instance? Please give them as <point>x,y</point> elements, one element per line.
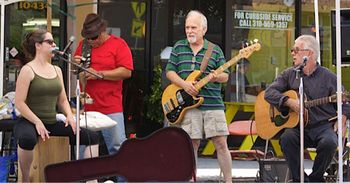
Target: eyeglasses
<point>296,50</point>
<point>48,41</point>
<point>93,38</point>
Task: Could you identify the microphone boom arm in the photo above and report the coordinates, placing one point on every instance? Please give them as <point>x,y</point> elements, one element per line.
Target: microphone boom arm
<point>99,76</point>
<point>71,40</point>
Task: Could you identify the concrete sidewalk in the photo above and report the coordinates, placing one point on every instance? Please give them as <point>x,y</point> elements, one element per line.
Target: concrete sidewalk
<point>242,171</point>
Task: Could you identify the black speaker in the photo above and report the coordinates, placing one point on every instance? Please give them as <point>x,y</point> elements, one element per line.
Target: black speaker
<point>274,170</point>
<point>345,37</point>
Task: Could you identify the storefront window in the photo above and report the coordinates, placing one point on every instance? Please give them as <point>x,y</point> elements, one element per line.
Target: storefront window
<point>21,18</point>
<point>214,10</point>
<point>272,24</point>
<point>327,36</point>
<point>129,20</point>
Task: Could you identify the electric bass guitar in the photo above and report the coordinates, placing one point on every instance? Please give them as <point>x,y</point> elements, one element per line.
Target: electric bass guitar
<point>175,101</point>
<point>269,121</point>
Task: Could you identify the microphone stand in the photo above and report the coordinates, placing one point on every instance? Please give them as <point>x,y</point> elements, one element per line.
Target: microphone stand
<point>69,68</point>
<point>301,119</point>
<point>77,92</point>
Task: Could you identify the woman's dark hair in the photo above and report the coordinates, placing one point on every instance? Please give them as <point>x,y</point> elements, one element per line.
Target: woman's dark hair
<point>28,44</point>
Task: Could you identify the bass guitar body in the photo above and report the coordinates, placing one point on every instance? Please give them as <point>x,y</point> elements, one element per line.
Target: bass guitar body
<point>176,101</point>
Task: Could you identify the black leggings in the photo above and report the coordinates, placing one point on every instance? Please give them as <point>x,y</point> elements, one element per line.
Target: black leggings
<point>27,136</point>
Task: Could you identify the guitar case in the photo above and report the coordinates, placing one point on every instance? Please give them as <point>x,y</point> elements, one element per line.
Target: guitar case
<point>166,155</point>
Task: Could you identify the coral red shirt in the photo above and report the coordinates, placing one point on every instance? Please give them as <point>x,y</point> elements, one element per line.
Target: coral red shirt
<point>107,95</point>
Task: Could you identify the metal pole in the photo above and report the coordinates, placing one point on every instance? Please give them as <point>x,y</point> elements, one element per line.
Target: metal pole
<point>238,99</point>
<point>301,125</point>
<point>2,39</point>
<point>69,77</point>
<point>317,27</point>
<point>49,16</point>
<point>77,118</point>
<point>339,90</point>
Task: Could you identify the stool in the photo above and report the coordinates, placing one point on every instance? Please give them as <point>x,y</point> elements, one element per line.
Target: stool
<point>52,150</point>
<point>245,128</point>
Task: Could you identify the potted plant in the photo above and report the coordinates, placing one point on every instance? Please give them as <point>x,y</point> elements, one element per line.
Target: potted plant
<point>153,113</point>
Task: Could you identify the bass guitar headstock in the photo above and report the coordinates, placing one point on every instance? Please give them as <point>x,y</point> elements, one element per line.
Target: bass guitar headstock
<point>247,51</point>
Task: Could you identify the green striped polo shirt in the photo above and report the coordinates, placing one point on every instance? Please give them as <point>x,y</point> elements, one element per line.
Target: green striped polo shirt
<point>184,62</point>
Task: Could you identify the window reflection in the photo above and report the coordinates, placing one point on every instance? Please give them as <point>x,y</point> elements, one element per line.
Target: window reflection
<point>272,23</point>
<point>21,18</point>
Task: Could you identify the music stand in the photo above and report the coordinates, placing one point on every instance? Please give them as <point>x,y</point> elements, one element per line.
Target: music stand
<point>77,92</point>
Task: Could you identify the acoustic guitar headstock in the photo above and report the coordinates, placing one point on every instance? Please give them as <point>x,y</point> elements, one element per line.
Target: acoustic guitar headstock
<point>345,97</point>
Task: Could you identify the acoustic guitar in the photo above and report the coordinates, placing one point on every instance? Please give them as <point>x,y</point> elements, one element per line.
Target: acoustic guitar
<point>269,121</point>
<point>175,101</point>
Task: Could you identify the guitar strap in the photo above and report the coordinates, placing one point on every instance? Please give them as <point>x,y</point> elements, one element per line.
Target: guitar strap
<point>206,57</point>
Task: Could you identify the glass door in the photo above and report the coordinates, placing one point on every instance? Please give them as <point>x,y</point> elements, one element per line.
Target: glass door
<point>21,18</point>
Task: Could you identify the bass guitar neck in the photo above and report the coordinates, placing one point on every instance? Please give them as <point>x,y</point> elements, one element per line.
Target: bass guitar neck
<point>175,101</point>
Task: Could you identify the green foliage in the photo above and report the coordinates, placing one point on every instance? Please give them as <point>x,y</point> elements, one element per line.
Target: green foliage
<point>153,105</point>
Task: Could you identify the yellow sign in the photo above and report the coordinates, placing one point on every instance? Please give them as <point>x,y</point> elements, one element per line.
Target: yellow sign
<point>25,5</point>
<point>137,28</point>
<point>139,8</point>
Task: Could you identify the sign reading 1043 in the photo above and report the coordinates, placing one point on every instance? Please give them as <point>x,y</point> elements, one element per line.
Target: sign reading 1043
<point>25,5</point>
<point>246,19</point>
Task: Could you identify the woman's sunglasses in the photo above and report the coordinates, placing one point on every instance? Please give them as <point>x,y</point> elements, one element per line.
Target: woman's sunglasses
<point>49,41</point>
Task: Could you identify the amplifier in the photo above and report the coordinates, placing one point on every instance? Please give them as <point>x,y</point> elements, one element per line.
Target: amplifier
<point>274,170</point>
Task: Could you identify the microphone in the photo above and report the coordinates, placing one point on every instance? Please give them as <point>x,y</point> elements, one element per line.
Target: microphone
<point>301,66</point>
<point>305,59</point>
<point>71,40</point>
<point>55,51</point>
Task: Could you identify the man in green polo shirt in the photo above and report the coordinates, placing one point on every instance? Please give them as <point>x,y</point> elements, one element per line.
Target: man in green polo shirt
<point>208,120</point>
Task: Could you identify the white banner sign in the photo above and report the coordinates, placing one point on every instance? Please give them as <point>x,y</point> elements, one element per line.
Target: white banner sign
<point>245,19</point>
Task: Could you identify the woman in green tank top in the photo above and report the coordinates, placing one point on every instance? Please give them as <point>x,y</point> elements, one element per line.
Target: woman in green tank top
<point>39,89</point>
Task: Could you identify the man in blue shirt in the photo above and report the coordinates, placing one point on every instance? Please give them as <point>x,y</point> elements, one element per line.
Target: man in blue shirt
<point>320,132</point>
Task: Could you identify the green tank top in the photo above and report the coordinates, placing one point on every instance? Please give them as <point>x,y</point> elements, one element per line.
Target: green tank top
<point>42,97</point>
